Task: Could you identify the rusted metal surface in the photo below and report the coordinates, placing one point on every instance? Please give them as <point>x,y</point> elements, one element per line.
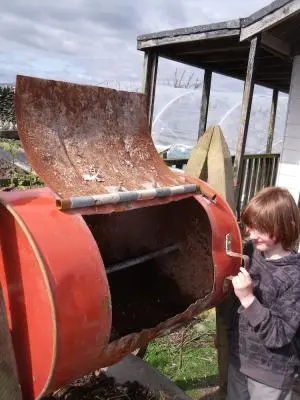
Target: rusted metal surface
<point>166,285</point>
<point>81,140</point>
<point>117,349</point>
<point>93,143</point>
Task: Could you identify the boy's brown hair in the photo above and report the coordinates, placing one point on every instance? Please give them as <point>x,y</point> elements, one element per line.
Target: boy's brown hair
<point>274,211</point>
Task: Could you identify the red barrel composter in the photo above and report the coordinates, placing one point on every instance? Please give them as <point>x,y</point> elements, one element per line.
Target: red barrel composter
<point>116,250</point>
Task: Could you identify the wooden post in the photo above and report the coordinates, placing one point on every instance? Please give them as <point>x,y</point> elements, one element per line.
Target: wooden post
<point>204,102</point>
<point>149,82</point>
<point>272,121</point>
<point>245,115</point>
<point>211,161</point>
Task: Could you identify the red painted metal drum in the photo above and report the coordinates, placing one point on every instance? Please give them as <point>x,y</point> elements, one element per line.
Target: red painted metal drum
<point>119,248</point>
<point>57,292</point>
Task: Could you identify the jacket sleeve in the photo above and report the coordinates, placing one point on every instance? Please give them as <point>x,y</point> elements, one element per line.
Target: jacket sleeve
<point>276,326</point>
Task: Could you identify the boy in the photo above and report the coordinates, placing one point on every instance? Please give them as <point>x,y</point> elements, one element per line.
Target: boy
<point>263,339</point>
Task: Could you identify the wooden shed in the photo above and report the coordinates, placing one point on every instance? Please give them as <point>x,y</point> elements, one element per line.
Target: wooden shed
<point>262,49</point>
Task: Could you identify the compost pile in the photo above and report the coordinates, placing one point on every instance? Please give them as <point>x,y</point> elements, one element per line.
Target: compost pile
<point>101,387</point>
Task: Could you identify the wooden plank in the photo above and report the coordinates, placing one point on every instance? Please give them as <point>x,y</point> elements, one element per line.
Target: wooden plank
<point>250,181</point>
<point>213,152</point>
<point>252,190</point>
<point>149,82</point>
<point>258,175</point>
<point>275,44</point>
<point>220,177</point>
<point>204,102</point>
<point>197,163</point>
<point>232,49</point>
<point>232,24</point>
<point>239,74</point>
<point>274,173</point>
<point>272,121</point>
<point>230,60</point>
<point>219,166</point>
<point>245,115</point>
<point>267,172</point>
<point>270,20</point>
<point>240,202</point>
<point>263,174</point>
<point>262,12</point>
<point>146,44</point>
<point>9,385</point>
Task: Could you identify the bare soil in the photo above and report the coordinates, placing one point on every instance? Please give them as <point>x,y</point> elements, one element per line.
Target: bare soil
<point>101,387</point>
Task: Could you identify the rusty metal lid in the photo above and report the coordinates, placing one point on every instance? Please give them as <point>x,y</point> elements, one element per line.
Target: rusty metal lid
<point>84,140</point>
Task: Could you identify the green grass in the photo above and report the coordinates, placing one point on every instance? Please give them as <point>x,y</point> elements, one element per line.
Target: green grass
<point>14,176</point>
<point>188,357</point>
<point>11,145</point>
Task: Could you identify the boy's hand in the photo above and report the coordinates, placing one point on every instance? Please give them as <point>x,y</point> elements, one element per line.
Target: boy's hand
<point>242,284</point>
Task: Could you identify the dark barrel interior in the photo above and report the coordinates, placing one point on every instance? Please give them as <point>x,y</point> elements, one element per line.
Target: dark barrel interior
<point>158,261</point>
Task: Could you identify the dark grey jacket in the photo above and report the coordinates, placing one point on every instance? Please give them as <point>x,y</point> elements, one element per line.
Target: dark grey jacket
<point>264,337</point>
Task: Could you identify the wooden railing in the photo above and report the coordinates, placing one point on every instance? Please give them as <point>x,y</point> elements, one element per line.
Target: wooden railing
<point>258,171</point>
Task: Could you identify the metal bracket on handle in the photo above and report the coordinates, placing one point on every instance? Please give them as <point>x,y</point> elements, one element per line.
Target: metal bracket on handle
<point>230,253</point>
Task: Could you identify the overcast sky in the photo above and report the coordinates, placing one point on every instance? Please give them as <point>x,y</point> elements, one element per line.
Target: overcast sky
<point>94,41</point>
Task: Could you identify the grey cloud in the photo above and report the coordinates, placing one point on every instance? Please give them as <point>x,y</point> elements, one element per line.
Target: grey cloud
<point>95,40</point>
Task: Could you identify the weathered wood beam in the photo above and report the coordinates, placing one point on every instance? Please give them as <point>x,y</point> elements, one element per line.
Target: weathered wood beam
<point>275,44</point>
<point>280,72</point>
<point>280,86</point>
<point>176,36</point>
<point>217,60</point>
<point>272,121</point>
<point>236,73</point>
<point>211,50</point>
<point>245,114</point>
<point>149,82</point>
<point>144,44</point>
<point>235,61</point>
<point>280,79</point>
<point>274,72</point>
<point>270,20</point>
<point>204,102</point>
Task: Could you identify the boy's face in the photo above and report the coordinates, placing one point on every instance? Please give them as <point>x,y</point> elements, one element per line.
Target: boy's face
<point>262,241</point>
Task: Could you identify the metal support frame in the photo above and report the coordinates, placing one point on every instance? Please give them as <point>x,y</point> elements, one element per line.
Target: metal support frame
<point>245,114</point>
<point>125,196</point>
<point>120,266</point>
<point>149,82</point>
<point>272,121</point>
<point>204,102</point>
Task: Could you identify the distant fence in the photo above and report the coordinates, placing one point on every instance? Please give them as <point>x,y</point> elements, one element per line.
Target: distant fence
<point>258,171</point>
